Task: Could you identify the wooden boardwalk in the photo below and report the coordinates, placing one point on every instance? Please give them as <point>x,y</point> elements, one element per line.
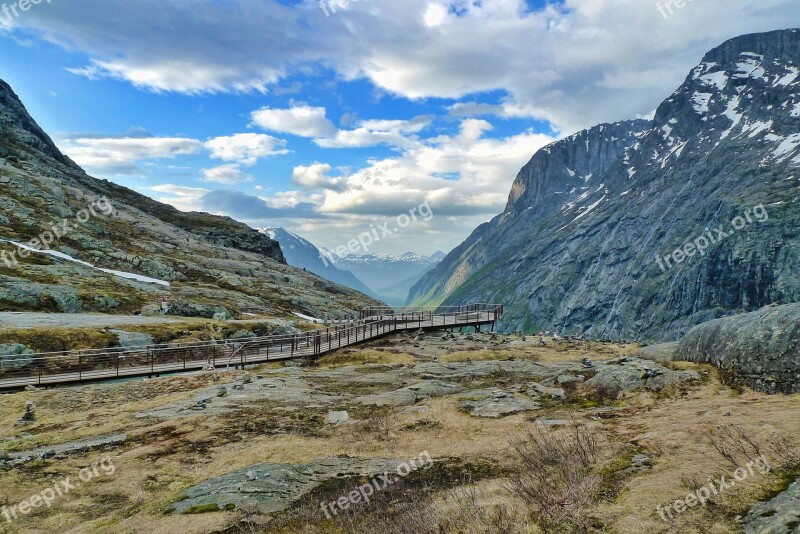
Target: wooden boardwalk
<point>104,364</point>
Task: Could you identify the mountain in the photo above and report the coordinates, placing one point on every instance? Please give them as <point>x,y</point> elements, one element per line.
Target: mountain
<point>381,272</point>
<point>116,251</point>
<point>588,242</point>
<point>302,254</point>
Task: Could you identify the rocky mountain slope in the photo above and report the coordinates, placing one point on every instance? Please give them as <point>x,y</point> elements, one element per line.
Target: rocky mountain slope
<point>587,243</point>
<point>117,251</point>
<point>303,254</point>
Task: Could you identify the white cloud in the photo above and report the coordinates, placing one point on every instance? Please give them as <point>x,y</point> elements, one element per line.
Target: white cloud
<point>574,63</point>
<point>121,155</point>
<point>464,174</point>
<point>229,174</point>
<point>368,133</point>
<point>246,148</point>
<point>182,197</point>
<point>304,121</point>
<point>313,176</point>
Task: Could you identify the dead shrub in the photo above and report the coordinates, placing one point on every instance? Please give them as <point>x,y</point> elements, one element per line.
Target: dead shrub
<point>556,476</point>
<point>786,453</point>
<point>735,445</point>
<point>377,424</point>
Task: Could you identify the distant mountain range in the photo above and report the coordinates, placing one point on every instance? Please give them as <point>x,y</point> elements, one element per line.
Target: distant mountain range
<point>302,254</point>
<point>381,276</point>
<point>644,229</point>
<point>388,276</point>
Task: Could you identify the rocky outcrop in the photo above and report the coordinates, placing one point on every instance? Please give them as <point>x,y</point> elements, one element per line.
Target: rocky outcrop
<point>579,248</point>
<point>269,488</point>
<point>781,515</point>
<point>762,348</point>
<point>623,375</point>
<point>410,385</point>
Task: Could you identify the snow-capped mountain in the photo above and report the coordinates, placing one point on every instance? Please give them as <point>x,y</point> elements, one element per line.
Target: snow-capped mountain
<point>301,253</point>
<point>390,277</point>
<point>588,240</point>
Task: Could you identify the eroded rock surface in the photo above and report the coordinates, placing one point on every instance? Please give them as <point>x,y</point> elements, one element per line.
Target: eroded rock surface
<point>761,348</point>
<point>269,488</point>
<point>781,515</point>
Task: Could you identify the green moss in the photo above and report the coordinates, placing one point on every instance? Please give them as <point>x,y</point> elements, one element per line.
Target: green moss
<point>203,509</point>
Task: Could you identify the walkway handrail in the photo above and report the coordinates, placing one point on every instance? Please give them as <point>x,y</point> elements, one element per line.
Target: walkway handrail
<point>80,365</point>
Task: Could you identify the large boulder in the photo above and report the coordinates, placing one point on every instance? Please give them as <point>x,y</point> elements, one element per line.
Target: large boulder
<point>14,356</point>
<point>761,349</point>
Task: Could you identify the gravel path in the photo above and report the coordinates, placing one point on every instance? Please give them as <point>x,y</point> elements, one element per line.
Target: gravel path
<point>75,320</point>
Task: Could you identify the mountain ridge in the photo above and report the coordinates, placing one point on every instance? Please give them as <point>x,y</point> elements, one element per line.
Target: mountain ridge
<point>722,143</point>
<point>214,265</point>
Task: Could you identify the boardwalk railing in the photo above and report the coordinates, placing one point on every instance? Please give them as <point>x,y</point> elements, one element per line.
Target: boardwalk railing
<point>95,364</point>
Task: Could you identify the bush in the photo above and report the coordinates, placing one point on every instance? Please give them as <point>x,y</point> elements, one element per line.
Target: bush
<point>556,476</point>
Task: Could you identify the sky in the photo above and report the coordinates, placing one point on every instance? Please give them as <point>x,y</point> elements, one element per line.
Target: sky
<point>331,119</point>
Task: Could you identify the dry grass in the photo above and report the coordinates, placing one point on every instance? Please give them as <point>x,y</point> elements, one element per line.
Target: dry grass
<point>676,431</point>
<point>551,352</point>
<point>365,356</point>
<point>161,460</point>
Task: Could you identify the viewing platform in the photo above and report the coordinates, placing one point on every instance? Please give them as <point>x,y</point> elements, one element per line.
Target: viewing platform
<point>48,369</point>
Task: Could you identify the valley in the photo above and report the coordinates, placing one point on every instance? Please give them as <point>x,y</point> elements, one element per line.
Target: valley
<point>201,329</point>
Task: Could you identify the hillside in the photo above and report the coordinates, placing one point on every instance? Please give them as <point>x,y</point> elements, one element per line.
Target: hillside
<point>587,241</point>
<point>117,251</point>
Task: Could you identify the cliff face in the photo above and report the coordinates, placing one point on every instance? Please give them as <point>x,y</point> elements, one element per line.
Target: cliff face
<point>206,260</point>
<point>581,245</point>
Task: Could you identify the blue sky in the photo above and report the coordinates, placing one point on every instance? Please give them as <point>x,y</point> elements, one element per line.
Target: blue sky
<point>278,115</point>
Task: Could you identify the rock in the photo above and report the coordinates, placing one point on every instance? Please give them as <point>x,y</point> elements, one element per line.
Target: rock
<point>238,385</point>
<point>661,352</point>
<point>500,404</point>
<point>410,395</point>
<point>641,462</point>
<point>761,348</point>
<point>246,378</point>
<point>338,418</point>
<point>31,388</point>
<point>222,316</point>
<point>71,447</point>
<point>241,334</point>
<point>401,397</point>
<point>536,388</point>
<point>222,392</point>
<point>569,379</point>
<point>623,375</point>
<point>586,363</point>
<point>270,488</point>
<point>133,339</point>
<point>780,515</point>
<point>30,414</point>
<point>14,356</point>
